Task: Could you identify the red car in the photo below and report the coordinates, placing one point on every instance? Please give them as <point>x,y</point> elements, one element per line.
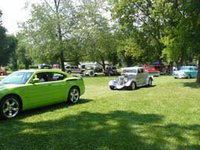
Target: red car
<point>2,72</point>
<point>152,70</point>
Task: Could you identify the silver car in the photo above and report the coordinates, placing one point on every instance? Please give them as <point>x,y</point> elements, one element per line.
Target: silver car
<point>131,78</point>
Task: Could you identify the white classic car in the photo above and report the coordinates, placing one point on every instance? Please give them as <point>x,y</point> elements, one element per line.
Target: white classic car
<point>131,78</point>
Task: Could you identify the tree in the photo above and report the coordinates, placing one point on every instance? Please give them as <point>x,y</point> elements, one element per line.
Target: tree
<point>50,25</point>
<point>7,47</point>
<point>12,46</point>
<point>182,33</point>
<point>142,26</point>
<point>95,32</point>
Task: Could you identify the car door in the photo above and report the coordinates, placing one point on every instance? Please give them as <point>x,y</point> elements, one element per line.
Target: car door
<point>39,94</point>
<point>139,77</point>
<point>142,76</point>
<point>59,87</point>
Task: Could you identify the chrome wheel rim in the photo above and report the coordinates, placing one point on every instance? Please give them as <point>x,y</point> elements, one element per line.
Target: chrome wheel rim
<point>74,95</point>
<point>10,108</point>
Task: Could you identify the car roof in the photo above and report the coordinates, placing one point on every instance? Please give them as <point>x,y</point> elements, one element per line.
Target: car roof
<point>130,68</point>
<point>189,66</point>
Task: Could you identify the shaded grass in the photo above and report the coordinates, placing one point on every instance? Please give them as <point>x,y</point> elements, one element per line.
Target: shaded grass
<point>165,116</point>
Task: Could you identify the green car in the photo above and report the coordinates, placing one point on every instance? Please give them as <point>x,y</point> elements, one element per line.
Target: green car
<point>30,89</point>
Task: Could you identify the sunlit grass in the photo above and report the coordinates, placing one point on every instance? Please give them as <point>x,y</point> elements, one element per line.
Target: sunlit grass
<point>165,116</point>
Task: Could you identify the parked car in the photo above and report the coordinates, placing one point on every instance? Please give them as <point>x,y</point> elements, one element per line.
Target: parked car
<point>90,73</point>
<point>74,70</point>
<point>131,78</point>
<point>29,89</point>
<point>152,70</point>
<point>186,72</point>
<point>111,71</point>
<point>3,72</point>
<point>44,66</point>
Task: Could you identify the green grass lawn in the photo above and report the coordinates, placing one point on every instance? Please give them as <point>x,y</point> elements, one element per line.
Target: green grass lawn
<point>165,116</point>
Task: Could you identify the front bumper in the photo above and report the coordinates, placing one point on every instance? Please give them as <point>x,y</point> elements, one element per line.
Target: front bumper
<point>180,76</point>
<point>118,86</point>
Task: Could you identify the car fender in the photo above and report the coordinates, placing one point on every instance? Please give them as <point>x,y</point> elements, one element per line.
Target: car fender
<point>147,79</point>
<point>129,82</point>
<point>112,83</point>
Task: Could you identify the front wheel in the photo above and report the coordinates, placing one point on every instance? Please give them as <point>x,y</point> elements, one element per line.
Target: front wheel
<point>112,87</point>
<point>74,95</point>
<point>9,107</point>
<point>133,86</point>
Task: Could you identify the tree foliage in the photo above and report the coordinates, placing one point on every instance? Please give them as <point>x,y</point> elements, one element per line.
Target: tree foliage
<point>142,26</point>
<point>7,47</point>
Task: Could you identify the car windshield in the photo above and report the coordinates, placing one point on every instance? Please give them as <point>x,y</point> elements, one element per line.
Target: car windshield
<point>129,71</point>
<point>17,78</point>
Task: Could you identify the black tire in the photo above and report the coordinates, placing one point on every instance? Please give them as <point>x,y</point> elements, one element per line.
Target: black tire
<point>10,107</point>
<point>189,76</point>
<point>69,72</point>
<point>133,86</point>
<point>91,74</point>
<point>74,95</point>
<point>112,87</point>
<point>150,82</point>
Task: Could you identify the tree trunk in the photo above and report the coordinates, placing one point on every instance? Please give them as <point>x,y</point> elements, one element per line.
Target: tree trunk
<point>57,4</point>
<point>62,65</point>
<point>175,3</point>
<point>103,63</point>
<point>198,74</point>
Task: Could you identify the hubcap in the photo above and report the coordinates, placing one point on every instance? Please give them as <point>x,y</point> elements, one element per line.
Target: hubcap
<point>10,108</point>
<point>74,95</point>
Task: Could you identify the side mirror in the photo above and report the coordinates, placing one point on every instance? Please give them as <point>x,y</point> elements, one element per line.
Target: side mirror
<point>36,80</point>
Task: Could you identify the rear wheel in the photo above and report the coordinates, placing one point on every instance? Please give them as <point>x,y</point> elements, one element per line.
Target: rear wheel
<point>150,82</point>
<point>9,107</point>
<point>189,76</point>
<point>74,95</point>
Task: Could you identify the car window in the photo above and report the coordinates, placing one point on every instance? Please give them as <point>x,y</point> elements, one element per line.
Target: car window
<point>58,76</point>
<point>50,76</point>
<point>44,76</point>
<point>139,71</point>
<point>129,71</point>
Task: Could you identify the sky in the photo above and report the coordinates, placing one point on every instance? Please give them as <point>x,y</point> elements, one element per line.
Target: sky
<point>14,12</point>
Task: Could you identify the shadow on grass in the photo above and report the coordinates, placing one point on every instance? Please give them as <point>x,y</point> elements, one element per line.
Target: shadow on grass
<point>137,88</point>
<point>50,108</point>
<point>192,85</point>
<point>117,130</point>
